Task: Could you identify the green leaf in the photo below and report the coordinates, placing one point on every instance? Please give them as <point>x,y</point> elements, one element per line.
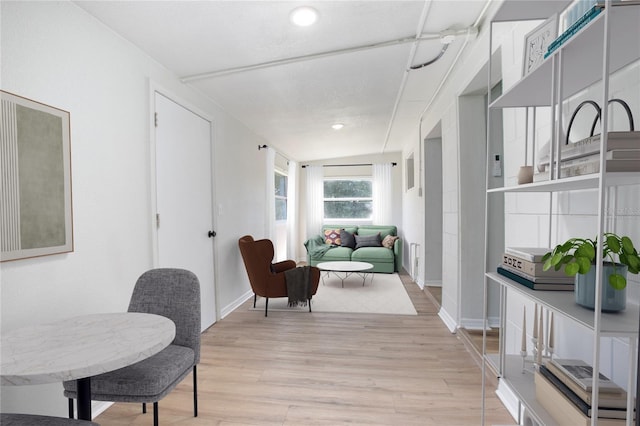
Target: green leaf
<point>613,243</point>
<point>617,281</point>
<point>627,245</point>
<point>586,250</point>
<point>546,256</point>
<point>571,269</point>
<point>556,259</point>
<point>584,264</point>
<point>547,264</point>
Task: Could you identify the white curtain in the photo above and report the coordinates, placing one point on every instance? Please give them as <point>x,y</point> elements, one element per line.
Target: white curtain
<point>292,217</point>
<point>315,199</point>
<point>382,194</point>
<point>270,191</point>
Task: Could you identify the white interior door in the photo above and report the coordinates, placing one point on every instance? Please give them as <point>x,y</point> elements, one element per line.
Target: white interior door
<point>184,196</point>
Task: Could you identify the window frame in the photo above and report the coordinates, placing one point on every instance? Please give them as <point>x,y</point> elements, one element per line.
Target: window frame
<point>354,220</point>
<point>281,197</point>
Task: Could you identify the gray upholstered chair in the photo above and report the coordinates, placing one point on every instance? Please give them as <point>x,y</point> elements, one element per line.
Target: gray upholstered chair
<point>175,294</point>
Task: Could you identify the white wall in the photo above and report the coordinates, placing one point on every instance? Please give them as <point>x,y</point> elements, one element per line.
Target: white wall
<point>55,53</point>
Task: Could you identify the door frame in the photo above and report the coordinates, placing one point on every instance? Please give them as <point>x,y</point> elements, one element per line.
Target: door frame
<point>157,88</point>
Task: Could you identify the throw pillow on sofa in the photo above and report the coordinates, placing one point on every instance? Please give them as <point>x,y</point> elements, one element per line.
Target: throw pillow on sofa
<point>368,240</point>
<point>388,241</point>
<point>332,237</point>
<point>347,239</point>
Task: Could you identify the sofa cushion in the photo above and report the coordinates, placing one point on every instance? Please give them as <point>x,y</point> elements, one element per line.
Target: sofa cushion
<point>337,253</point>
<point>347,239</point>
<point>368,241</point>
<point>373,255</point>
<point>384,230</point>
<point>388,241</point>
<point>332,237</point>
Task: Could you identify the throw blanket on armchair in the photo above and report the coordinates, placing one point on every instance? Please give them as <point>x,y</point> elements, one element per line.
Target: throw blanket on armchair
<point>298,285</point>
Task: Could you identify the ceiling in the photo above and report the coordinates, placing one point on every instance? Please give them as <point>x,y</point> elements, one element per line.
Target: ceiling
<point>289,84</point>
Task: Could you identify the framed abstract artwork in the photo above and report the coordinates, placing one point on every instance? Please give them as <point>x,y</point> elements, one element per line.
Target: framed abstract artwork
<point>35,196</point>
<point>536,43</point>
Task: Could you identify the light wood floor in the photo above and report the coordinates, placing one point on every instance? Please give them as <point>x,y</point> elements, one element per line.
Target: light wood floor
<point>328,369</point>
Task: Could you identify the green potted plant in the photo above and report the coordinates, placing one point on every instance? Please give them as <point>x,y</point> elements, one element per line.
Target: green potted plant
<point>578,255</point>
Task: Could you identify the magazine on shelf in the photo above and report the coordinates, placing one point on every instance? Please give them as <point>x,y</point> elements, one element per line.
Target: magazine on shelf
<point>606,398</point>
<point>581,373</point>
<point>534,285</point>
<point>555,279</point>
<point>574,406</point>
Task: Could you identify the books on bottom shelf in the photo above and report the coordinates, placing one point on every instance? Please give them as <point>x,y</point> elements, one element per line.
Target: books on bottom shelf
<point>580,374</point>
<point>543,283</point>
<point>566,407</point>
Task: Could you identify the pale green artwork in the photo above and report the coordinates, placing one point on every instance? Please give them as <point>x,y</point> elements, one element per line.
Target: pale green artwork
<point>36,190</point>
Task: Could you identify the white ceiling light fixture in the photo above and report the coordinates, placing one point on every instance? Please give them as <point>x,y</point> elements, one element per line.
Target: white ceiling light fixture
<point>337,126</point>
<point>303,16</point>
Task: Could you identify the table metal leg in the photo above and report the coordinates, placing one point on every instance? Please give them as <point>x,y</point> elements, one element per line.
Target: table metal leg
<point>84,398</point>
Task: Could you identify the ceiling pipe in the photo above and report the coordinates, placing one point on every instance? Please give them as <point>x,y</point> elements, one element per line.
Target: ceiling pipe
<point>405,75</point>
<point>285,61</point>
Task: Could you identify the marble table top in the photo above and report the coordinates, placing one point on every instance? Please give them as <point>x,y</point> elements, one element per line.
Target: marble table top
<point>344,266</point>
<point>81,346</point>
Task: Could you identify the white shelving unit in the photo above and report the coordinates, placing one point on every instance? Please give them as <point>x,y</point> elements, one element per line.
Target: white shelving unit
<point>608,43</point>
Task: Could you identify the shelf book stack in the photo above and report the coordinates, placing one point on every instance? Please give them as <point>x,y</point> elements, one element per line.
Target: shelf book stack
<point>583,157</point>
<point>524,266</point>
<point>566,398</point>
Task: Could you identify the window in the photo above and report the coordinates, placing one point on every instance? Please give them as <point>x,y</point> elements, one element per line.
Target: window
<point>410,172</point>
<point>346,199</point>
<point>281,196</point>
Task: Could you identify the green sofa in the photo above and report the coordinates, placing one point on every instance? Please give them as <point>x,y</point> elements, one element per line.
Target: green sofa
<point>387,260</point>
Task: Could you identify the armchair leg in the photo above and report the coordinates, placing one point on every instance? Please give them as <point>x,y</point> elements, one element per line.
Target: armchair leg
<point>144,408</point>
<point>71,408</point>
<point>195,393</point>
<point>255,296</point>
<point>266,305</point>
<point>155,413</point>
<point>309,303</point>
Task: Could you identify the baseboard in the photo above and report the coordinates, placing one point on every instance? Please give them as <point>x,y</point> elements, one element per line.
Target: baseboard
<point>476,324</point>
<point>448,320</point>
<point>235,304</point>
<point>508,399</point>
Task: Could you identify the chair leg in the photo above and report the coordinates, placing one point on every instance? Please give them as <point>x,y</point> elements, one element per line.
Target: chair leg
<point>144,408</point>
<point>309,302</point>
<point>155,413</point>
<point>255,296</point>
<point>71,408</point>
<point>195,392</point>
<point>266,305</point>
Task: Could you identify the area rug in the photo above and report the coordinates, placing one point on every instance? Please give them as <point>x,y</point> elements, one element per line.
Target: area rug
<point>381,294</point>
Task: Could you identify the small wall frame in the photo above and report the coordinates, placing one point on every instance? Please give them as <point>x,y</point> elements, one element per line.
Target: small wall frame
<point>537,42</point>
<point>35,196</point>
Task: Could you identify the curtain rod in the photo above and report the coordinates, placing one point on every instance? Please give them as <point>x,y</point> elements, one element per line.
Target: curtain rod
<point>393,164</point>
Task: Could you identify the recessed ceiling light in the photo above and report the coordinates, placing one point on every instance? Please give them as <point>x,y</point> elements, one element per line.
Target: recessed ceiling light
<point>337,126</point>
<point>304,16</point>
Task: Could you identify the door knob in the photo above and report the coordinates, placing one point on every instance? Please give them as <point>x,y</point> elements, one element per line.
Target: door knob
<point>211,234</point>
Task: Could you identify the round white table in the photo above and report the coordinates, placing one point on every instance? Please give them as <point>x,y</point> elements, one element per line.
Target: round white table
<point>80,347</point>
<point>347,267</point>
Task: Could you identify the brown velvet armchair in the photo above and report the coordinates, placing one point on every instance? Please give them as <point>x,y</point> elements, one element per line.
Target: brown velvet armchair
<point>268,279</point>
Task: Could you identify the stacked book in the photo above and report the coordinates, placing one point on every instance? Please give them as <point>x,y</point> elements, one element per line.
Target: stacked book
<point>574,28</point>
<point>563,388</point>
<point>583,157</point>
<point>524,265</point>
